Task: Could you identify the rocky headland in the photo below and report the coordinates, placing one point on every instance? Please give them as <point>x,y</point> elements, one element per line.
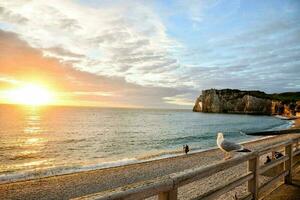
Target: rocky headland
<point>248,102</point>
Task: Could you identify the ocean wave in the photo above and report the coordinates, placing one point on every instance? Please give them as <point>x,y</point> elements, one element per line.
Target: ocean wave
<point>285,125</point>
<point>7,148</point>
<point>186,139</point>
<point>73,141</point>
<point>278,126</point>
<point>10,147</point>
<point>24,156</point>
<point>60,170</point>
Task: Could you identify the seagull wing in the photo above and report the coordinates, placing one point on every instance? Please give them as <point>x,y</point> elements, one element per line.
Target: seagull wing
<point>231,146</point>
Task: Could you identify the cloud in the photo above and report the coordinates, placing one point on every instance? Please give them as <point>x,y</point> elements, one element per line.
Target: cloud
<point>11,17</point>
<point>118,40</point>
<point>182,99</point>
<point>259,57</point>
<point>61,53</point>
<point>21,64</point>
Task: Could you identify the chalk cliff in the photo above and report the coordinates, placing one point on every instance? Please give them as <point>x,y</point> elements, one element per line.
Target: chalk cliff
<point>237,101</point>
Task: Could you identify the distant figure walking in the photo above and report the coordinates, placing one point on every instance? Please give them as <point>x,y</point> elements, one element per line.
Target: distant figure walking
<point>186,148</point>
<point>268,160</point>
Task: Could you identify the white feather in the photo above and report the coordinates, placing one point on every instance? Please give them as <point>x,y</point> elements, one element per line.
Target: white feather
<point>226,145</point>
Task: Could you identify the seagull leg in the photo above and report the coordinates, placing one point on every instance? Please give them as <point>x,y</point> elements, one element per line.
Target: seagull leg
<point>227,156</point>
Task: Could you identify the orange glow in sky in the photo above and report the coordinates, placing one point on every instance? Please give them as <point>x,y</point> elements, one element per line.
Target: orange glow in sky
<point>30,94</point>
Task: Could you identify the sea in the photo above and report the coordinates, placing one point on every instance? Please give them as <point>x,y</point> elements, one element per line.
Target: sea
<point>44,141</point>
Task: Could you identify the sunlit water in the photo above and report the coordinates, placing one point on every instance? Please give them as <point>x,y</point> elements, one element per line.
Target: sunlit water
<point>54,140</point>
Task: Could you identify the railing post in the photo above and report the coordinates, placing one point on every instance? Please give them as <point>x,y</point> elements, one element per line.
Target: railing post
<point>273,155</point>
<point>289,163</point>
<point>168,195</point>
<point>253,165</point>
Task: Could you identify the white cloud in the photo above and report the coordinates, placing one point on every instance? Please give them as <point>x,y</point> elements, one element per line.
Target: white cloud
<point>105,94</point>
<point>8,80</point>
<point>181,99</point>
<point>126,40</point>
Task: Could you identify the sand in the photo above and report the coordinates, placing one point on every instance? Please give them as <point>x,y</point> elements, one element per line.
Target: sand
<point>297,123</point>
<point>83,183</point>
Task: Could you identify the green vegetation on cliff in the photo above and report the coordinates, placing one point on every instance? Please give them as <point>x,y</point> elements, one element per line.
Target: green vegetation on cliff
<point>285,97</point>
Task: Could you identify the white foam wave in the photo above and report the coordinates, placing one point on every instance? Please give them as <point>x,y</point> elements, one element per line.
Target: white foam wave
<point>61,170</point>
<point>288,124</point>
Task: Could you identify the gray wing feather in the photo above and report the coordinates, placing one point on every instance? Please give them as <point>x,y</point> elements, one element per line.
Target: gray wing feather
<point>230,146</point>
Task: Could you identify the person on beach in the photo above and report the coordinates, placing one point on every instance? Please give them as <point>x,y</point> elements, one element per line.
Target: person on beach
<point>278,154</point>
<point>186,148</point>
<point>268,160</point>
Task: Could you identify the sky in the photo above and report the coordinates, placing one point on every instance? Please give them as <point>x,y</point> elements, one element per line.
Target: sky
<point>152,54</point>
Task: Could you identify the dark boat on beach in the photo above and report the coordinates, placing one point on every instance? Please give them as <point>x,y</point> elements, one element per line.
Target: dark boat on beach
<point>286,118</point>
<point>279,132</point>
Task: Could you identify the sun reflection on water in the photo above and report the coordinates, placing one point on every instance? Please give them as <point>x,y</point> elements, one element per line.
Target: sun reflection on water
<point>32,130</point>
<point>33,163</point>
<point>32,127</point>
<point>33,120</point>
<point>33,141</point>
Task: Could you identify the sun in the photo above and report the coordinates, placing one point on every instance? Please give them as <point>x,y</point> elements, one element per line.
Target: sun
<point>30,94</point>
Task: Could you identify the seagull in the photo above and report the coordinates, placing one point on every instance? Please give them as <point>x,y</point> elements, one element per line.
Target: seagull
<point>228,147</point>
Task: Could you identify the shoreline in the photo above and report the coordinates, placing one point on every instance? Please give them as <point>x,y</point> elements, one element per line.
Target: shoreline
<point>296,123</point>
<point>81,183</point>
<point>69,170</point>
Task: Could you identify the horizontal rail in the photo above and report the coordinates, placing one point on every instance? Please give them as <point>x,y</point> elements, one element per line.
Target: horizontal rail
<point>268,185</point>
<point>226,187</point>
<point>135,191</point>
<point>247,197</point>
<point>297,152</point>
<point>295,162</point>
<point>272,164</point>
<point>274,147</point>
<point>191,175</point>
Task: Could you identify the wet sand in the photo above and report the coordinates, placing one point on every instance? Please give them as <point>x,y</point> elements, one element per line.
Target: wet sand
<point>83,183</point>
